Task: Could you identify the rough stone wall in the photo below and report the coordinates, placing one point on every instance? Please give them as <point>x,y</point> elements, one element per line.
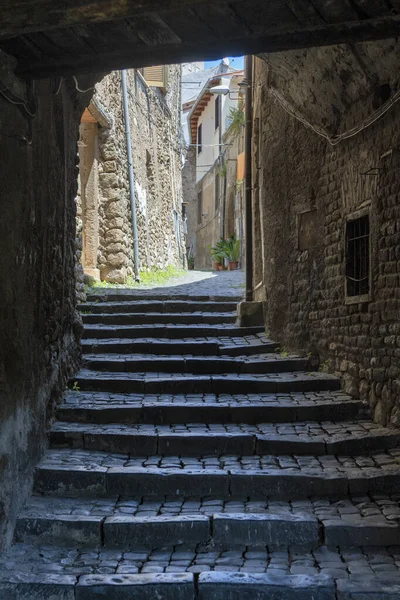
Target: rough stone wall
<point>190,197</point>
<point>156,148</point>
<point>39,327</point>
<point>297,171</point>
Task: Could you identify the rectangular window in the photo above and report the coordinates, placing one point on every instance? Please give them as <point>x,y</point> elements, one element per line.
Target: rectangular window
<point>358,259</point>
<point>156,76</point>
<point>199,206</point>
<point>217,111</point>
<point>199,138</point>
<point>216,191</point>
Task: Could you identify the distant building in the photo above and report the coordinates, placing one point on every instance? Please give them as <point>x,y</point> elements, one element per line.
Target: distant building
<point>192,67</point>
<point>215,129</point>
<point>104,199</point>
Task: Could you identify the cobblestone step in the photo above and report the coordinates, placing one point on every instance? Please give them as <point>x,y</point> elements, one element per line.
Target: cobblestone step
<point>197,318</point>
<point>99,407</point>
<point>124,295</point>
<point>170,347</point>
<point>193,439</point>
<point>72,473</point>
<point>186,383</point>
<point>167,306</point>
<point>186,454</point>
<point>125,530</point>
<point>169,331</point>
<point>135,522</point>
<point>269,363</point>
<point>199,573</point>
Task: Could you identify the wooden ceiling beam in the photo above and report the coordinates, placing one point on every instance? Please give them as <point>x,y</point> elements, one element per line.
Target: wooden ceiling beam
<point>130,56</point>
<point>19,17</point>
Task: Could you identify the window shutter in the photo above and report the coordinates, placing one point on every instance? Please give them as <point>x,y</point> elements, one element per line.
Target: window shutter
<point>156,76</point>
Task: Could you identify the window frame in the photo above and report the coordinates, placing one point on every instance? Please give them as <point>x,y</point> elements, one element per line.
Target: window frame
<point>361,298</point>
<point>200,206</point>
<point>217,191</point>
<point>217,112</point>
<point>199,138</point>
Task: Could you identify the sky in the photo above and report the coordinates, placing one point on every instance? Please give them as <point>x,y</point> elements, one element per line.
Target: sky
<point>237,62</point>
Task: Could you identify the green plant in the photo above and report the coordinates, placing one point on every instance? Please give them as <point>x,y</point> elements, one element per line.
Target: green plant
<point>232,249</point>
<point>217,252</point>
<point>190,261</point>
<point>325,366</point>
<point>236,117</point>
<point>150,277</point>
<point>222,171</point>
<point>76,387</point>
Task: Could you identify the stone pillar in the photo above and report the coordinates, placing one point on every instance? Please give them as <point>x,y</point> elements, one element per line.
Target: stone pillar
<point>88,168</point>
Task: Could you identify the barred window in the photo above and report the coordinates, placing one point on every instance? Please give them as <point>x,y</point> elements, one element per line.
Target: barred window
<point>358,257</point>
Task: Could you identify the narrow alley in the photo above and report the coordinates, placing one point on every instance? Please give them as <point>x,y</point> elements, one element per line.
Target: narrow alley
<point>194,459</point>
<point>200,300</point>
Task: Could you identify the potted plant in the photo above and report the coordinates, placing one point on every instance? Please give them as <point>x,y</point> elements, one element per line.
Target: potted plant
<point>232,252</point>
<point>190,261</point>
<point>218,260</point>
<point>218,254</point>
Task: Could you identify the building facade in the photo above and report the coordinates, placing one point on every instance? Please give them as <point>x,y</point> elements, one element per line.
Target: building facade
<point>327,212</point>
<point>104,198</point>
<point>216,129</point>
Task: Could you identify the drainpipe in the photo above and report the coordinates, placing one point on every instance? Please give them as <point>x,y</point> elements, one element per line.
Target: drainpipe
<point>248,73</point>
<point>220,167</point>
<point>130,174</point>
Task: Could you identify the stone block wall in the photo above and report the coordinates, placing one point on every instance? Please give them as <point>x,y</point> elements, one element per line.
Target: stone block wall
<point>39,327</point>
<point>157,166</point>
<point>297,173</point>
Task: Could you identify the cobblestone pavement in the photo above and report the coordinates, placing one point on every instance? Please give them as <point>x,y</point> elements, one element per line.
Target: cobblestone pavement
<point>193,283</point>
<point>193,460</point>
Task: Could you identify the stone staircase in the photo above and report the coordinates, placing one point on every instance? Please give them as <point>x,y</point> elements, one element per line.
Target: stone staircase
<point>190,460</point>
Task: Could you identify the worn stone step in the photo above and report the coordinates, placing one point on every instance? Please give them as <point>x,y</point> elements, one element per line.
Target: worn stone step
<point>48,585</point>
<point>129,522</point>
<point>99,407</point>
<point>195,318</point>
<point>65,572</point>
<point>269,363</point>
<point>199,438</point>
<point>167,306</point>
<point>259,586</point>
<point>89,473</point>
<point>172,347</point>
<point>126,295</point>
<point>168,331</point>
<point>186,383</point>
<point>127,531</point>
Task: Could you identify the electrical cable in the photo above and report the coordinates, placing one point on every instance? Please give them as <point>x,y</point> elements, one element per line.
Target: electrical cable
<point>17,102</point>
<point>78,88</point>
<point>59,86</point>
<point>336,139</point>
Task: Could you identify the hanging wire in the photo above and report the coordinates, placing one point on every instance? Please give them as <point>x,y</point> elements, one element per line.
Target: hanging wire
<point>17,101</point>
<point>78,88</point>
<point>336,139</point>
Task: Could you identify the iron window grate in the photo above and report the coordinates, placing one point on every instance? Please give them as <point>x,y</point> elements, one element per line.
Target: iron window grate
<point>358,257</point>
